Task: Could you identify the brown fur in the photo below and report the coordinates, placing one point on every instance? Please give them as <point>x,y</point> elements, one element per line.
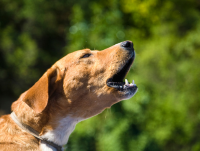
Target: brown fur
<point>73,85</point>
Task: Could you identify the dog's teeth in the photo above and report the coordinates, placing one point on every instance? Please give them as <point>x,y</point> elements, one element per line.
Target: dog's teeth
<point>133,82</point>
<point>126,81</point>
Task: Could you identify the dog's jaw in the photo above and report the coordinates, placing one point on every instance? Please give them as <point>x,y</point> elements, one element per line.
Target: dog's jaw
<point>61,133</point>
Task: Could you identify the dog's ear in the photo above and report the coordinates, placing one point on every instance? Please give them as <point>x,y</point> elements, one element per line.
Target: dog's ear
<point>38,95</point>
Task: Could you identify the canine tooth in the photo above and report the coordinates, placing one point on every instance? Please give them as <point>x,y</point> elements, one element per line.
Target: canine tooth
<point>126,81</point>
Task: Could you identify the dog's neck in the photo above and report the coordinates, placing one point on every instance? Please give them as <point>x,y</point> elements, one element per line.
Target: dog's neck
<point>60,125</point>
<point>60,134</point>
<point>57,133</point>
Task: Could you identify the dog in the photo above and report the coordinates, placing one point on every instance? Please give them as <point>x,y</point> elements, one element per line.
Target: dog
<point>78,86</point>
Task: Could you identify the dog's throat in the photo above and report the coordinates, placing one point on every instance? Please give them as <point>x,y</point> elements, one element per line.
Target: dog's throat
<point>61,133</point>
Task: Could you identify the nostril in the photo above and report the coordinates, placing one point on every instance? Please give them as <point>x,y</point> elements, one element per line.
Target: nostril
<point>127,44</point>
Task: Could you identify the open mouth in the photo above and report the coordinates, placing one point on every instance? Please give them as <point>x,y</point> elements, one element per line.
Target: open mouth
<point>117,80</point>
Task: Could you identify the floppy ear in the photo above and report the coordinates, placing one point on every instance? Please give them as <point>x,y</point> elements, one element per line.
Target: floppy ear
<point>38,95</point>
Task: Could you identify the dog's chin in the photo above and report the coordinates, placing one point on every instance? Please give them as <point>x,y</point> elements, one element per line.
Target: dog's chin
<point>127,93</point>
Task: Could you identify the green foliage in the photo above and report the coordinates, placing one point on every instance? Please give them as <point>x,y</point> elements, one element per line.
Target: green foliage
<point>164,114</point>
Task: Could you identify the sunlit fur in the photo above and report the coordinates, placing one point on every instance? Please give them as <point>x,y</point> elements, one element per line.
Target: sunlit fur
<point>73,89</point>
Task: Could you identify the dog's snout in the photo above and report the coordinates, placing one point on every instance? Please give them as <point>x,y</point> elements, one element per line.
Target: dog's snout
<point>127,44</point>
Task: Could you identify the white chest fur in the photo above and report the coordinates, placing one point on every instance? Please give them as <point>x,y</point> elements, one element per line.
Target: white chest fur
<point>60,134</point>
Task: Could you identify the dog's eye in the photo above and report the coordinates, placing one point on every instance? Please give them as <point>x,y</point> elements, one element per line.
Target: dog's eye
<point>86,55</point>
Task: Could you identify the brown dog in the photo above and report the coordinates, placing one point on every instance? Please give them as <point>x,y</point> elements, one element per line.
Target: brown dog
<point>78,86</point>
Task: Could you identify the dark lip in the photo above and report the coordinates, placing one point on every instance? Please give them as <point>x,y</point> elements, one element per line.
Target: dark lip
<point>116,81</point>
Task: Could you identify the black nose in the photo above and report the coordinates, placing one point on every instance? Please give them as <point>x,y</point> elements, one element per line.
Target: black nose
<point>127,44</point>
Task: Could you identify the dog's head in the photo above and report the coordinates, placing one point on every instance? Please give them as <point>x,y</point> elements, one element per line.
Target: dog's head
<point>84,82</point>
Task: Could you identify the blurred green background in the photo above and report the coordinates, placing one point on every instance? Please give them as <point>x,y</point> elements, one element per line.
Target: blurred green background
<point>164,115</point>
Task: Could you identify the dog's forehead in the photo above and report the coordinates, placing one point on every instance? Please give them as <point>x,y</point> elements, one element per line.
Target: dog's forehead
<point>77,54</point>
<point>71,57</point>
